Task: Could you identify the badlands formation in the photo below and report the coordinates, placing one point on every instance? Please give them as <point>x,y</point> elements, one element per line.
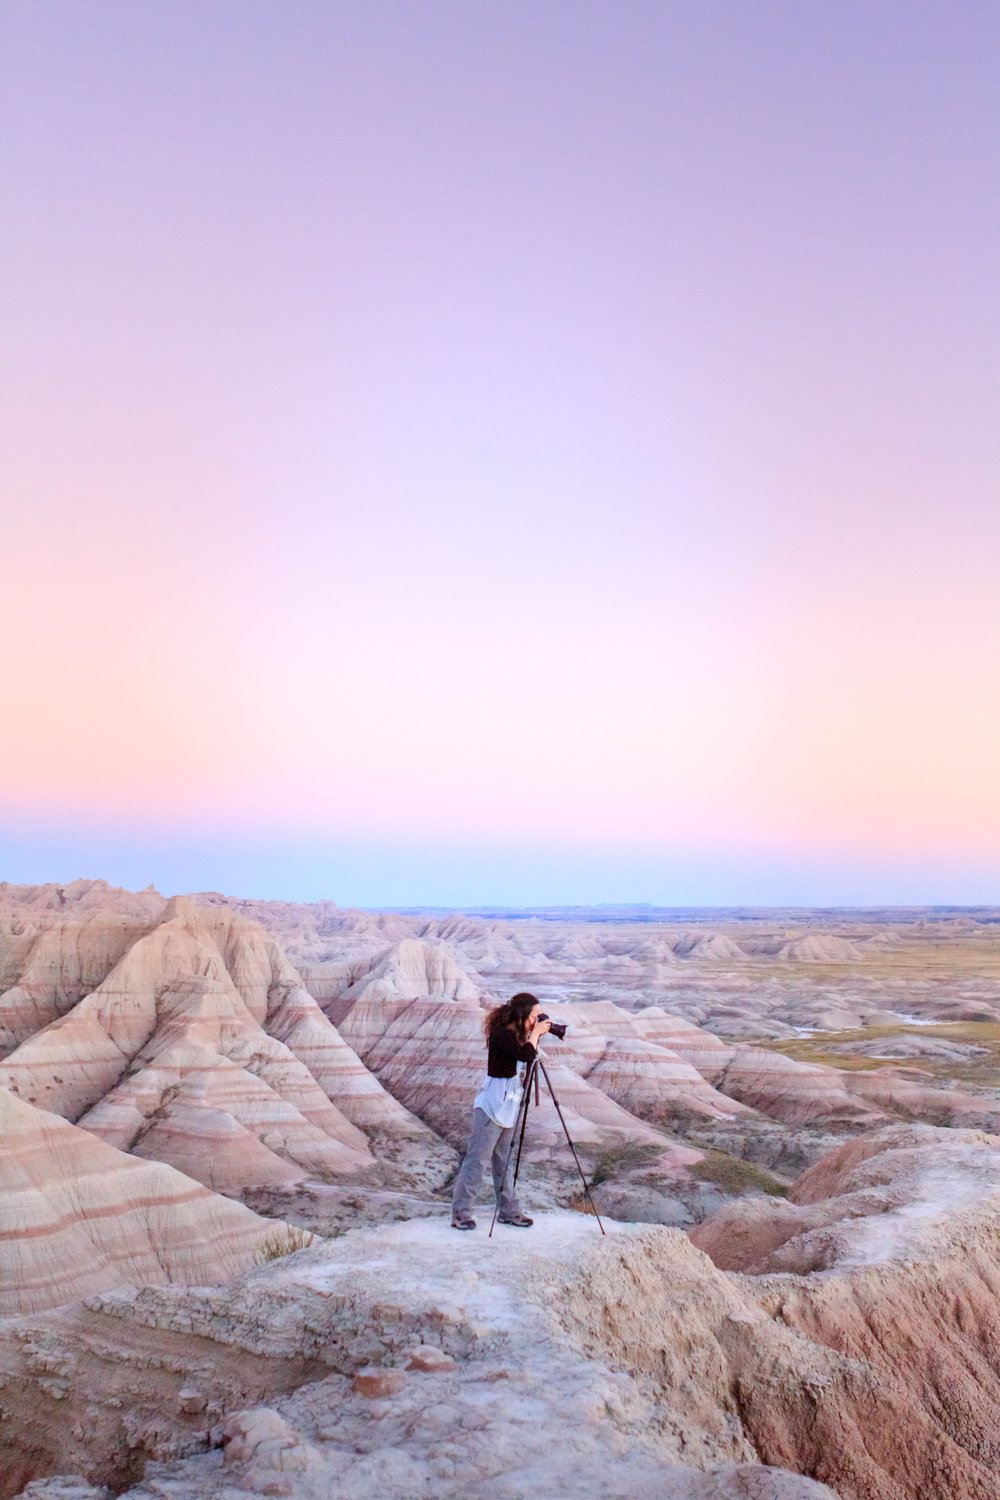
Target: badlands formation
<point>227,1130</point>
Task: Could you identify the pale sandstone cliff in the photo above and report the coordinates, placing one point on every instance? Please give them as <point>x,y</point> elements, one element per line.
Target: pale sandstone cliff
<point>416,968</point>
<point>891,1253</point>
<point>606,1046</point>
<point>44,972</point>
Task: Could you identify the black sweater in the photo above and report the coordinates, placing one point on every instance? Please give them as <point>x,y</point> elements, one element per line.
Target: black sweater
<point>504,1052</point>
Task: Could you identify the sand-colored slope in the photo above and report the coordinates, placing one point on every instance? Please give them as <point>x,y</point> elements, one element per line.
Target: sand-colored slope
<point>222,1123</point>
<point>45,971</point>
<point>77,1217</point>
<point>295,1019</point>
<point>416,968</point>
<point>607,1047</point>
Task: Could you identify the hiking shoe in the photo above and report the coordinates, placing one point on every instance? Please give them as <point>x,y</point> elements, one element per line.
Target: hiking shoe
<point>518,1221</point>
<point>463,1221</point>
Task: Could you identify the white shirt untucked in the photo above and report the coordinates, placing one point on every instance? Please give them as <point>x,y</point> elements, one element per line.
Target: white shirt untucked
<point>500,1098</point>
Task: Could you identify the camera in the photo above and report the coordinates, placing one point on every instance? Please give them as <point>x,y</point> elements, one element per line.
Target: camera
<point>556,1028</point>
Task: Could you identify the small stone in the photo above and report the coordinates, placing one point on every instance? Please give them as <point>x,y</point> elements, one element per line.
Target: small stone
<point>440,1418</point>
<point>430,1359</point>
<point>375,1383</point>
<point>452,1315</point>
<point>246,1431</point>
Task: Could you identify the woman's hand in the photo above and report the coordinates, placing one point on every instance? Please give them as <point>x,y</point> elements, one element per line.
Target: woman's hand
<point>537,1031</point>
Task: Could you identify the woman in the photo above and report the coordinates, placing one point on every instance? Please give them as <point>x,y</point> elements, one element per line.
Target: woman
<point>512,1034</point>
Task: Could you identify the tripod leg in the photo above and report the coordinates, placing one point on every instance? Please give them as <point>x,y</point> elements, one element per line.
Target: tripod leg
<point>519,1126</point>
<point>583,1179</point>
<point>531,1078</point>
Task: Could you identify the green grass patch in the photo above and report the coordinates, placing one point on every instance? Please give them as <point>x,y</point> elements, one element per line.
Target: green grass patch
<point>734,1175</point>
<point>624,1158</point>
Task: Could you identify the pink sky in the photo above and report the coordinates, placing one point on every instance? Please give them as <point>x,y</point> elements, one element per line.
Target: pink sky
<point>437,431</point>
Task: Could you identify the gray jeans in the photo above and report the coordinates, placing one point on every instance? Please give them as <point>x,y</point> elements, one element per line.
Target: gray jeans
<point>488,1143</point>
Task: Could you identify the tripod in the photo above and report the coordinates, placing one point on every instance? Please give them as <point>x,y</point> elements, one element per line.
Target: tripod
<point>521,1125</point>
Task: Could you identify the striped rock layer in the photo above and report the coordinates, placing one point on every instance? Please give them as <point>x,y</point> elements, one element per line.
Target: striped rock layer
<point>80,1217</point>
<point>199,1047</point>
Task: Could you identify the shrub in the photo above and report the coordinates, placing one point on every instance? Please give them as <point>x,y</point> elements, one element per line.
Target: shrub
<point>283,1241</point>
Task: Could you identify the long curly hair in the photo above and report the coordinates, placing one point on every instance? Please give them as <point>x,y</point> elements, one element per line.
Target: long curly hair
<point>513,1014</point>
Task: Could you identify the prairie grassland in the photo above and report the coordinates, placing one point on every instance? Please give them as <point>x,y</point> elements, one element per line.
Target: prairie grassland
<point>820,1048</point>
<point>941,960</point>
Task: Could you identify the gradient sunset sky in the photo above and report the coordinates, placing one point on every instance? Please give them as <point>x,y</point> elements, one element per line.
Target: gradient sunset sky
<point>511,452</point>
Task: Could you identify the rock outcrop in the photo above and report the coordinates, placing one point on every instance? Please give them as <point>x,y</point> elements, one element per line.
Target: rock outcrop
<point>414,969</point>
<point>45,971</point>
<point>199,1047</point>
<point>664,1374</point>
<point>325,1374</point>
<point>890,1254</point>
<point>296,1019</point>
<point>874,1199</point>
<point>821,948</point>
<point>847,1332</point>
<point>713,945</point>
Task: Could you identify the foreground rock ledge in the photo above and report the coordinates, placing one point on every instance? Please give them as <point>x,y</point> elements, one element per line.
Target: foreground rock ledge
<point>582,1366</point>
<point>394,1362</point>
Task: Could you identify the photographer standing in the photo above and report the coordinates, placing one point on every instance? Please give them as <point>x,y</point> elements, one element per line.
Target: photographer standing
<point>512,1032</point>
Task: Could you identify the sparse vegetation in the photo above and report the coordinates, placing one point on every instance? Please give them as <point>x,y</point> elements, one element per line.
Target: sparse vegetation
<point>618,1160</point>
<point>818,1048</point>
<point>282,1242</point>
<point>734,1175</point>
<point>581,1204</point>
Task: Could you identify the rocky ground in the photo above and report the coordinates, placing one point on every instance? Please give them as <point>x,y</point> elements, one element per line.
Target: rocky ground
<point>861,1354</point>
<point>229,1132</point>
